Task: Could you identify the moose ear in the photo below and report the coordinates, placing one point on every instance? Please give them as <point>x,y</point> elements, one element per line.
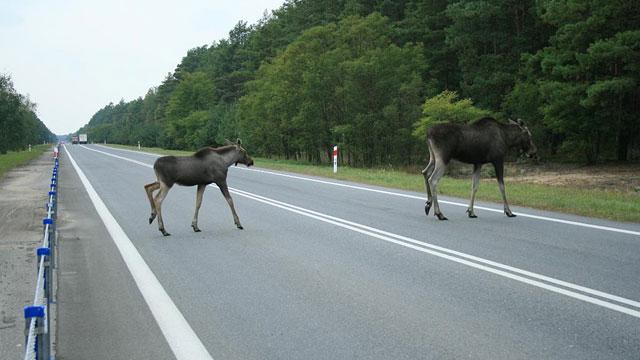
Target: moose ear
<point>512,122</point>
<point>520,122</point>
<point>239,142</point>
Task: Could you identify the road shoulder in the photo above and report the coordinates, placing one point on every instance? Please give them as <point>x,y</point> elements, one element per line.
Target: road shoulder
<point>23,194</point>
<point>101,314</point>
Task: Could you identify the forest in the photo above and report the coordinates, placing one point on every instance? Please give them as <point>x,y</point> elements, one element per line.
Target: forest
<point>371,75</point>
<point>19,123</point>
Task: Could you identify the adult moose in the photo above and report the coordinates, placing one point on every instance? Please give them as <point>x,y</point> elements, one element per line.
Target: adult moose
<point>484,141</point>
<point>208,165</point>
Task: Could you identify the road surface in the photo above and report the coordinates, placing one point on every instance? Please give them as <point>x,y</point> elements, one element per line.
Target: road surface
<point>330,270</point>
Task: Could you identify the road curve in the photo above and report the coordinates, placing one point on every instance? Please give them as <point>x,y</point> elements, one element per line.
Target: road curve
<point>333,270</point>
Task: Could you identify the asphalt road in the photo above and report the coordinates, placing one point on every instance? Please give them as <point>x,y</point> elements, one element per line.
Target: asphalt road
<point>332,270</point>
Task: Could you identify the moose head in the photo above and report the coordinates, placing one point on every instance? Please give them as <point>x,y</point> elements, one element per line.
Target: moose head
<point>523,140</point>
<point>244,157</point>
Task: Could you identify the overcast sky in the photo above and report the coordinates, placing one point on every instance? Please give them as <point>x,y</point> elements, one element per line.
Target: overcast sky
<point>72,57</point>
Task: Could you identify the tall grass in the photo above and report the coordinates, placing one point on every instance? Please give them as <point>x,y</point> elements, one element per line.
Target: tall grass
<point>13,159</point>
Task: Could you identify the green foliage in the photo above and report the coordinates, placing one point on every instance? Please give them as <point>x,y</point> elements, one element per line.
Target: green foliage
<point>19,123</point>
<point>446,107</point>
<point>188,120</point>
<point>589,75</point>
<point>311,96</point>
<point>190,131</point>
<point>356,73</point>
<point>488,38</point>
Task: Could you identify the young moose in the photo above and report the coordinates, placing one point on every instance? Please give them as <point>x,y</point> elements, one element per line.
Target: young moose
<point>208,165</point>
<point>484,141</point>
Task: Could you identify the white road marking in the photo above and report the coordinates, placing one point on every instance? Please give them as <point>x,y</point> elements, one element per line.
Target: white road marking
<point>428,248</point>
<point>181,338</point>
<point>524,276</point>
<point>423,198</point>
<point>445,250</point>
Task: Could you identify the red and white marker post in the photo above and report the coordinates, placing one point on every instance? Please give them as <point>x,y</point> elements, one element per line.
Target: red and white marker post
<point>335,159</point>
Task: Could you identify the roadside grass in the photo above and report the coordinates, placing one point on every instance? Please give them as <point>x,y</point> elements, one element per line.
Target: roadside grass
<point>13,159</point>
<point>612,205</point>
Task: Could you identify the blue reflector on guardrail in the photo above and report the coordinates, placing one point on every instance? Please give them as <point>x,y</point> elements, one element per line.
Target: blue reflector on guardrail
<point>33,311</point>
<point>46,221</point>
<point>43,251</point>
<point>52,193</point>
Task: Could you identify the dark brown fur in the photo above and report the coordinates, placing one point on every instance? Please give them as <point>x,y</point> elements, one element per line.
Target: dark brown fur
<point>484,141</point>
<point>206,166</point>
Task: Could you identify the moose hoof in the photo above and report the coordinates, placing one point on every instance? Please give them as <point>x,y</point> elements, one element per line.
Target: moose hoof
<point>164,232</point>
<point>510,214</point>
<point>240,227</point>
<point>427,207</point>
<point>471,214</point>
<point>195,228</point>
<point>441,217</point>
<point>151,218</point>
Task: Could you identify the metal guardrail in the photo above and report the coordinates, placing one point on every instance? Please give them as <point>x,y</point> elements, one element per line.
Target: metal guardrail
<point>37,324</point>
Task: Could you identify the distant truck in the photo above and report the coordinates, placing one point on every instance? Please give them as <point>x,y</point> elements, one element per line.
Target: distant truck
<point>82,138</point>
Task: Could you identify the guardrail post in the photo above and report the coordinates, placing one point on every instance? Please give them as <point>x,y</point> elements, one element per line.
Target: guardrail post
<point>52,216</point>
<point>46,252</point>
<point>38,314</point>
<point>52,243</point>
<point>53,192</point>
<point>44,341</point>
<point>50,233</point>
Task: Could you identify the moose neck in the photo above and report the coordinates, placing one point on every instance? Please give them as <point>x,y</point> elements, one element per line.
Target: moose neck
<point>511,134</point>
<point>230,156</point>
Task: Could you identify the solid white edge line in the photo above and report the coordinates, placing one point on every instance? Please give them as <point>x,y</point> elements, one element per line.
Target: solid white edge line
<point>537,217</point>
<point>182,340</point>
<point>458,253</point>
<point>438,251</point>
<point>539,284</point>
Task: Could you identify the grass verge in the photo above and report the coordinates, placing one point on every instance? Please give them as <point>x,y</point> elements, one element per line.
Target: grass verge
<point>12,159</point>
<point>612,205</point>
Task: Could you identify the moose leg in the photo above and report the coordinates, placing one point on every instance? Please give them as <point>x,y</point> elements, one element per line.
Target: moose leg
<point>438,171</point>
<point>427,173</point>
<point>499,166</point>
<point>164,189</point>
<point>199,193</point>
<point>474,189</point>
<point>149,189</point>
<point>225,192</point>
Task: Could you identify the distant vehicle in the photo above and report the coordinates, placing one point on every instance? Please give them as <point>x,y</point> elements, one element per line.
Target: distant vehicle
<point>83,138</point>
<point>74,140</point>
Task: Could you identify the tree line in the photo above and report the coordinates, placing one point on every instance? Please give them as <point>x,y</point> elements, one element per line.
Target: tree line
<point>369,74</point>
<point>19,123</point>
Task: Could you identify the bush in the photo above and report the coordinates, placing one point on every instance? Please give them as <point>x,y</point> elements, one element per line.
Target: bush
<point>445,107</point>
